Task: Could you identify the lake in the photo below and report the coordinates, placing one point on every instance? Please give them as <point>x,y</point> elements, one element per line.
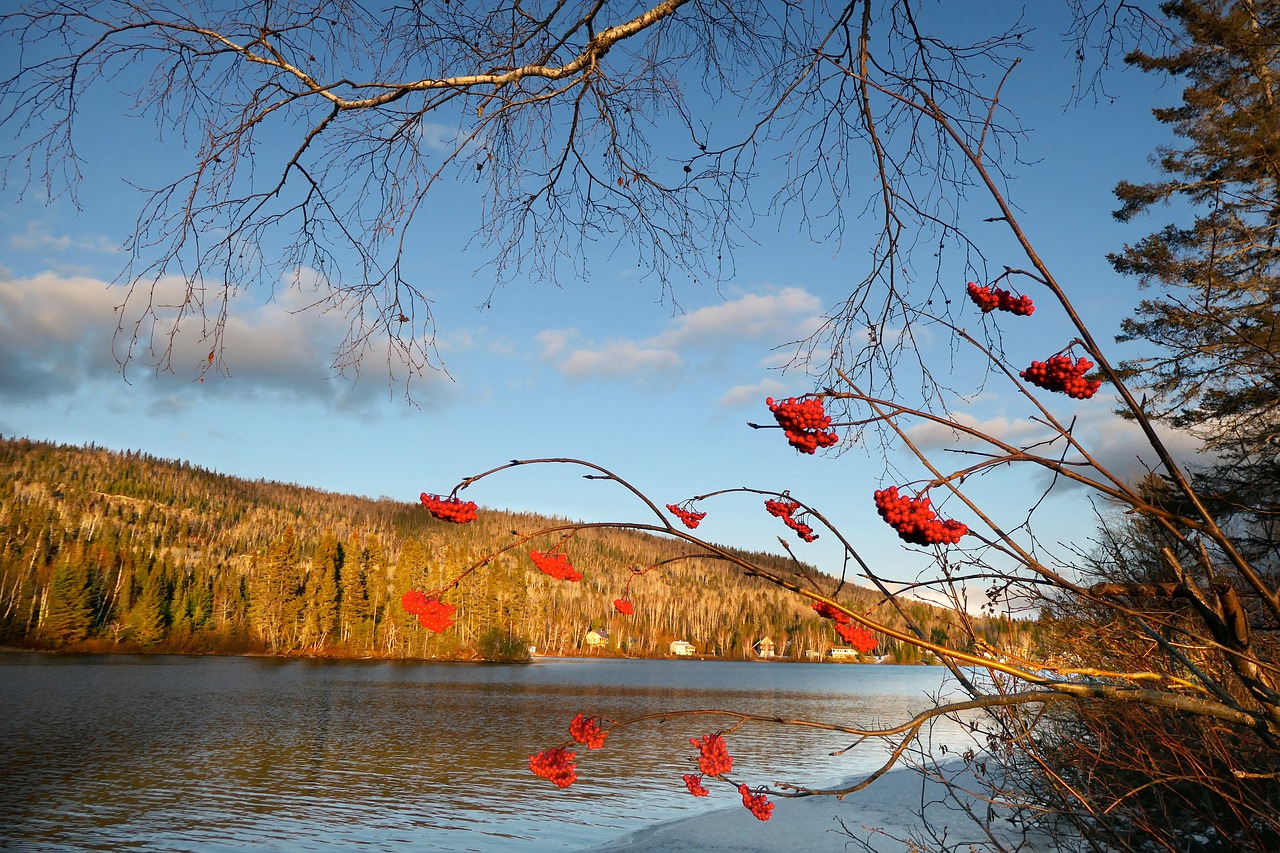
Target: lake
<point>174,753</point>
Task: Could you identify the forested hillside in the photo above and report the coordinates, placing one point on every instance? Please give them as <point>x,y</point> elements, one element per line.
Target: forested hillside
<point>115,551</point>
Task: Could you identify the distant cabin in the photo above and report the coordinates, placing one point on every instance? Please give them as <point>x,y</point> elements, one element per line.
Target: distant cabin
<point>681,647</point>
<point>597,638</point>
<point>765,648</point>
<point>813,654</point>
<point>844,654</point>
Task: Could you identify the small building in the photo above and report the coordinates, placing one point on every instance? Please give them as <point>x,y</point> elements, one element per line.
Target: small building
<point>812,654</point>
<point>844,654</point>
<point>683,648</point>
<point>597,638</point>
<point>765,647</point>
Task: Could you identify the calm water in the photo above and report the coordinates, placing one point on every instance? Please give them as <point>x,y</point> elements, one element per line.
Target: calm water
<point>175,753</point>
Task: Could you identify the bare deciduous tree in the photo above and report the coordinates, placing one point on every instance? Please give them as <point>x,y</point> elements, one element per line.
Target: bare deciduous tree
<point>320,132</point>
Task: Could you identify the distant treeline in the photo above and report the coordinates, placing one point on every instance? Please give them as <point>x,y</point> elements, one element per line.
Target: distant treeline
<point>107,551</point>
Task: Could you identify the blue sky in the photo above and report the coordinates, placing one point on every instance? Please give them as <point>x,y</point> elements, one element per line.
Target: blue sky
<point>603,369</point>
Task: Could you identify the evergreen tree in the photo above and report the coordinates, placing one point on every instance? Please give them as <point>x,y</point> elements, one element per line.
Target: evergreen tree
<point>68,610</point>
<point>356,612</point>
<point>377,581</point>
<point>148,620</point>
<point>1215,321</point>
<point>323,593</point>
<point>277,594</point>
<point>399,628</point>
<point>200,603</point>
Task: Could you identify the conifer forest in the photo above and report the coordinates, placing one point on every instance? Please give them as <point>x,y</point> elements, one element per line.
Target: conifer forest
<point>105,551</point>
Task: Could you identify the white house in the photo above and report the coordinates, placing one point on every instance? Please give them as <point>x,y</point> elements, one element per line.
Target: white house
<point>682,648</point>
<point>597,638</point>
<point>844,654</point>
<point>765,648</point>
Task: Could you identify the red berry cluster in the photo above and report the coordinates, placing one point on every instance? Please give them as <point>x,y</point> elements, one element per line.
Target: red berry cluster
<point>414,601</point>
<point>915,520</point>
<point>826,611</point>
<point>555,765</point>
<point>713,757</point>
<point>804,422</point>
<point>556,565</point>
<point>1060,373</point>
<point>624,606</point>
<point>431,612</point>
<point>693,781</point>
<point>690,518</point>
<point>586,730</point>
<point>450,508</point>
<point>758,803</point>
<point>857,636</point>
<point>785,510</point>
<point>990,298</point>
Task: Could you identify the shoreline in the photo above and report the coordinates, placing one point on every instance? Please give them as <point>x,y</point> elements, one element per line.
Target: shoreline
<point>324,655</point>
<point>901,812</point>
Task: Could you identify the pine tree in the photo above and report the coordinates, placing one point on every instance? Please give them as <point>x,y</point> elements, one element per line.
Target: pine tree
<point>378,582</point>
<point>148,620</point>
<point>68,610</point>
<point>356,612</point>
<point>1215,321</point>
<point>323,591</point>
<point>400,629</point>
<point>200,602</point>
<point>277,594</point>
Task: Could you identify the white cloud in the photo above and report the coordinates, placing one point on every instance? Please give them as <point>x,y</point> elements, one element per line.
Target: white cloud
<point>56,336</point>
<point>36,237</point>
<point>554,341</point>
<point>931,435</point>
<point>761,320</point>
<point>55,332</point>
<point>1120,446</point>
<point>445,138</point>
<point>773,318</point>
<point>620,359</point>
<point>740,395</point>
<point>1116,445</point>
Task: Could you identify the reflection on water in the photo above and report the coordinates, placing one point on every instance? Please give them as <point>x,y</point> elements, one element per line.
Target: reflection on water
<point>177,753</point>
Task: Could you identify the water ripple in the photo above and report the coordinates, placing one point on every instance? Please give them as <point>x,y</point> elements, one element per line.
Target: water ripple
<point>228,754</point>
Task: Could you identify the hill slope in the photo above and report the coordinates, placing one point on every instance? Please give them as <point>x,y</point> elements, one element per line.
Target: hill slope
<point>121,551</point>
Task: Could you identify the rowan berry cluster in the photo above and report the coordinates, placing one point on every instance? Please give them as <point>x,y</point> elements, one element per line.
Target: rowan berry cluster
<point>414,601</point>
<point>693,781</point>
<point>449,509</point>
<point>555,765</point>
<point>857,636</point>
<point>990,298</point>
<point>826,611</point>
<point>713,757</point>
<point>624,606</point>
<point>785,510</point>
<point>586,730</point>
<point>804,422</point>
<point>1062,374</point>
<point>432,613</point>
<point>556,565</point>
<point>915,520</point>
<point>690,518</point>
<point>758,803</point>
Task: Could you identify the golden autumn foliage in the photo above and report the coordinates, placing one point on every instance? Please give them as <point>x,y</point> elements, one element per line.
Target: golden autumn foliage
<point>122,551</point>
